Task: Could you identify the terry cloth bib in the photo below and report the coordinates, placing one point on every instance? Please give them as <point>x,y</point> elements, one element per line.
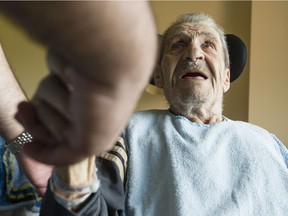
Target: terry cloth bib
<point>178,168</point>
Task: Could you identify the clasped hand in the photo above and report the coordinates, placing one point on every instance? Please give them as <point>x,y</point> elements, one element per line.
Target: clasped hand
<point>58,137</point>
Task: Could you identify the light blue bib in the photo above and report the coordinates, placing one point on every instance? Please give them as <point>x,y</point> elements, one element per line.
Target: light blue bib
<point>177,167</point>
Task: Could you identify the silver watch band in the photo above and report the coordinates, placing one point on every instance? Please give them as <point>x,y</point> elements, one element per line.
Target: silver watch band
<point>16,145</point>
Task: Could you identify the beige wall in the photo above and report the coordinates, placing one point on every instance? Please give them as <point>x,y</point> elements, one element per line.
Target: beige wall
<point>26,57</point>
<point>268,101</point>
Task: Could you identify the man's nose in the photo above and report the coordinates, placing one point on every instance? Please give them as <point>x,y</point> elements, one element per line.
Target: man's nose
<point>193,53</point>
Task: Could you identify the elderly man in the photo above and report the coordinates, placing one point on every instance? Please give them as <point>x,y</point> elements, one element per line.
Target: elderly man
<point>188,160</point>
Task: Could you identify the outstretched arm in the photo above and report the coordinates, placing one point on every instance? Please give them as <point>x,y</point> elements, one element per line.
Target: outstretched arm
<point>111,45</point>
<point>11,94</point>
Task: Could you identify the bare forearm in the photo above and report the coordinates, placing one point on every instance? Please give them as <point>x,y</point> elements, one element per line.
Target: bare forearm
<point>11,94</point>
<point>78,175</point>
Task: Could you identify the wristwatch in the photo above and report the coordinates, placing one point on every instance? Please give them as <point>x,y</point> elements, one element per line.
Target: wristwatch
<point>16,145</point>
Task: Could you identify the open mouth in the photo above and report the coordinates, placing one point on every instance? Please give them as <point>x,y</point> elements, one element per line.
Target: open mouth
<point>194,75</point>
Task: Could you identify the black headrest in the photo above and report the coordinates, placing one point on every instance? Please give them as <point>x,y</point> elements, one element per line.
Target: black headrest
<point>237,53</point>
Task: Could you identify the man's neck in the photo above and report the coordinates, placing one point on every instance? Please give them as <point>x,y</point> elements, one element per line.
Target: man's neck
<point>202,115</point>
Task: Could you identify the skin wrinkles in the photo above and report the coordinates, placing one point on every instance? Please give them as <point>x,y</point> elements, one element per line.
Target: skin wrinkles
<point>190,33</point>
<point>198,98</point>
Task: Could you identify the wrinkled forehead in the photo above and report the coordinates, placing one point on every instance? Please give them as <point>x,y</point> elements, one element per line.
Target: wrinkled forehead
<point>192,31</point>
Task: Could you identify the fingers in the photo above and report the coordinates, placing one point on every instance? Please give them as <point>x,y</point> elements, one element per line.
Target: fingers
<point>45,148</point>
<point>53,120</point>
<point>60,68</point>
<point>52,91</point>
<point>48,119</point>
<point>57,155</point>
<point>51,102</point>
<point>27,116</point>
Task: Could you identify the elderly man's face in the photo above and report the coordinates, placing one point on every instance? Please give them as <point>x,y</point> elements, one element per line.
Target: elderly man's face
<point>186,82</point>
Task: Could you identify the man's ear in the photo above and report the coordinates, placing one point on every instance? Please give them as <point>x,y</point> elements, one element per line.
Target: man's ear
<point>158,79</point>
<point>226,84</point>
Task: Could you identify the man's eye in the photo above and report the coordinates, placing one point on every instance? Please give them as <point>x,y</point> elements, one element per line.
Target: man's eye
<point>177,45</point>
<point>208,45</point>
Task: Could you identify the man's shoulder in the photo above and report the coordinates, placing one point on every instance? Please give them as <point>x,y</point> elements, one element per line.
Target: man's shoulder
<point>248,126</point>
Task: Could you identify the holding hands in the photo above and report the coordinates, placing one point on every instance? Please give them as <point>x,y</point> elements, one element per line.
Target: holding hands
<point>49,117</point>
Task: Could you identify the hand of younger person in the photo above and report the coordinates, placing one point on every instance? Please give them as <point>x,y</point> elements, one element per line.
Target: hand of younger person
<point>51,144</point>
